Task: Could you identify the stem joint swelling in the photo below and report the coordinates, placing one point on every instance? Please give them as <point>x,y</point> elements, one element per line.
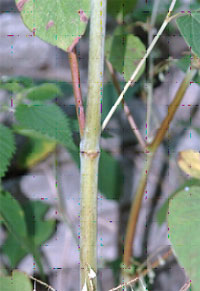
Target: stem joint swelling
<point>90,154</point>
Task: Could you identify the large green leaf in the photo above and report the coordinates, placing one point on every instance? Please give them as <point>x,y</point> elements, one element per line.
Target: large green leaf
<point>189,26</point>
<point>125,51</point>
<point>162,212</point>
<point>48,120</point>
<point>43,92</point>
<point>39,230</point>
<point>14,218</point>
<point>12,214</point>
<point>7,148</point>
<point>18,281</point>
<point>59,22</point>
<point>116,7</point>
<point>110,176</point>
<point>184,230</point>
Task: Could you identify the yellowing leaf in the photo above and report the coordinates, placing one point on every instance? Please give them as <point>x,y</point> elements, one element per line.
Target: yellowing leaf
<point>189,162</point>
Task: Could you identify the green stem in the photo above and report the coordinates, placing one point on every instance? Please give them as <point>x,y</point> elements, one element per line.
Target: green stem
<point>90,149</point>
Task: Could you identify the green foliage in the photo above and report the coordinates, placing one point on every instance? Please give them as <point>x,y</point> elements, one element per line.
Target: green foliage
<point>162,212</point>
<point>12,214</point>
<point>125,51</point>
<point>118,8</point>
<point>184,63</point>
<point>7,148</point>
<point>48,120</point>
<point>189,26</point>
<point>14,218</point>
<point>60,23</point>
<point>20,80</point>
<point>18,281</point>
<point>38,231</point>
<point>183,222</point>
<point>13,87</point>
<point>43,92</point>
<point>110,176</point>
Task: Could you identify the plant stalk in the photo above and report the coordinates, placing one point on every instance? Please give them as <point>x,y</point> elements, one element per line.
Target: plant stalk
<point>90,149</point>
<point>137,202</point>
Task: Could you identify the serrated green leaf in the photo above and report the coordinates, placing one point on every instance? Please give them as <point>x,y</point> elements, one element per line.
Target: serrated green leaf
<point>189,26</point>
<point>184,229</point>
<point>39,230</point>
<point>60,23</point>
<point>12,214</point>
<point>18,281</point>
<point>116,7</point>
<point>110,176</point>
<point>43,92</point>
<point>48,120</point>
<point>125,51</point>
<point>162,212</point>
<point>34,151</point>
<point>7,148</point>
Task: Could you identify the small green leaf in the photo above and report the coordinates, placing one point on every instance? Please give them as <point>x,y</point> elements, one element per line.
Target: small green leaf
<point>18,281</point>
<point>7,148</point>
<point>12,214</point>
<point>125,51</point>
<point>110,176</point>
<point>60,23</point>
<point>22,81</point>
<point>48,120</point>
<point>184,229</point>
<point>43,92</point>
<point>13,87</point>
<point>189,26</point>
<point>162,212</point>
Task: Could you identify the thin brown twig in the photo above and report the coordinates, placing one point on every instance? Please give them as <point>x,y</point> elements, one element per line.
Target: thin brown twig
<point>41,283</point>
<point>154,265</point>
<point>130,118</point>
<point>74,67</point>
